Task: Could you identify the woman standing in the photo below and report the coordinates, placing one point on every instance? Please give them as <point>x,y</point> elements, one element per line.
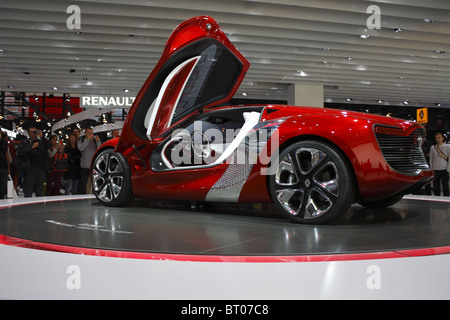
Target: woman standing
<point>72,175</point>
<point>53,183</point>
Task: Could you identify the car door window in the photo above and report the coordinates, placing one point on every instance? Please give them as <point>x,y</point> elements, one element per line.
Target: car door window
<point>167,100</point>
<point>201,74</point>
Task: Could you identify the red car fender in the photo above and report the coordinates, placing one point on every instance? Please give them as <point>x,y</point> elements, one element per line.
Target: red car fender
<point>109,144</point>
<point>353,136</point>
<point>356,142</point>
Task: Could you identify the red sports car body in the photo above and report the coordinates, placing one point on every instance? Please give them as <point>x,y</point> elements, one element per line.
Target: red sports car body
<point>179,141</point>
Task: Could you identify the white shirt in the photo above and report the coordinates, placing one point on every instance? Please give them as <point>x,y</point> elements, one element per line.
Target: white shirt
<point>436,161</point>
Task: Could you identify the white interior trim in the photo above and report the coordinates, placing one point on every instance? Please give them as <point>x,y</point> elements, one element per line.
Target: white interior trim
<point>154,110</point>
<point>251,120</point>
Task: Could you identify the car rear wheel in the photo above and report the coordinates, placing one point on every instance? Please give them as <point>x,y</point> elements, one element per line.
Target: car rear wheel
<point>312,183</point>
<point>111,179</point>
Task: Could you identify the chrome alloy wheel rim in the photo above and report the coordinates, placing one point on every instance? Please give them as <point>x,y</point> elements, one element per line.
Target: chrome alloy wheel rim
<point>307,183</point>
<point>107,178</point>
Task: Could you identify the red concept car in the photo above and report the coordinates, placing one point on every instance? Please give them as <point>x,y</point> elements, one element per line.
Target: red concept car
<point>180,141</point>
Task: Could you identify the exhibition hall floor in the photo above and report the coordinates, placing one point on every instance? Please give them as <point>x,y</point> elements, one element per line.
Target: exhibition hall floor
<point>150,229</point>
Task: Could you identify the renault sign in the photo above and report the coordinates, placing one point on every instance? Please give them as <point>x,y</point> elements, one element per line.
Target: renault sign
<point>108,101</point>
<point>422,115</point>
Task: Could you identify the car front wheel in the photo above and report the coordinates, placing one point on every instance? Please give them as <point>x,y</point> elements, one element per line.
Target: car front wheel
<point>312,183</point>
<point>111,179</point>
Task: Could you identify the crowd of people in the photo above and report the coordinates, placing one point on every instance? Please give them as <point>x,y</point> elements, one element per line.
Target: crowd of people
<point>39,166</point>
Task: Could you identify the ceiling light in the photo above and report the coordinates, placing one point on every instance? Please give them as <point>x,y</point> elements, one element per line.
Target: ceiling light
<point>380,101</point>
<point>55,88</point>
<point>428,20</point>
<point>364,36</point>
<point>126,90</point>
<point>406,102</point>
<point>397,30</point>
<point>1,51</point>
<point>302,73</point>
<point>438,104</point>
<point>439,51</point>
<point>348,99</point>
<point>10,86</point>
<point>85,78</point>
<point>244,94</point>
<point>349,58</point>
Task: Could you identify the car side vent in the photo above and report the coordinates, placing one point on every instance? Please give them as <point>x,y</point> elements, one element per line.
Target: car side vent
<point>402,153</point>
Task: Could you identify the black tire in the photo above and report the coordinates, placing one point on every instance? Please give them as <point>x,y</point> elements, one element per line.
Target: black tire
<point>312,183</point>
<point>111,179</point>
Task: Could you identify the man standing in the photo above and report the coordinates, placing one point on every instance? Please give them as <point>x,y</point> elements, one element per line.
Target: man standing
<point>34,161</point>
<point>87,147</point>
<point>4,164</point>
<point>440,164</point>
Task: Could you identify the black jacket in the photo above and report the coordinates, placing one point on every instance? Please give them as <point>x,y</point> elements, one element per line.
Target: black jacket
<point>3,153</point>
<point>34,158</point>
<point>74,156</point>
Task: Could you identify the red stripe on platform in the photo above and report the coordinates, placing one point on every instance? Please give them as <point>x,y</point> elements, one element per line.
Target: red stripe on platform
<point>11,241</point>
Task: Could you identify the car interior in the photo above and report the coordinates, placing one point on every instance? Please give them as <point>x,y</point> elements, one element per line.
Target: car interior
<point>209,139</point>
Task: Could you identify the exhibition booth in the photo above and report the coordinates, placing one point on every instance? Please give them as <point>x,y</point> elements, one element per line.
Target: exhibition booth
<point>312,176</point>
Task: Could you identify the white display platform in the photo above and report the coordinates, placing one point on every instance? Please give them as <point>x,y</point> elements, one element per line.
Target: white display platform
<point>37,274</point>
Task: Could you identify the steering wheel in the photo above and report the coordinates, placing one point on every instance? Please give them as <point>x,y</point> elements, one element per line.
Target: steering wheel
<point>200,144</point>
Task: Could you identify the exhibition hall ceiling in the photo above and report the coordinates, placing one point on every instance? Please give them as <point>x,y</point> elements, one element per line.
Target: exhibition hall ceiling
<point>380,51</point>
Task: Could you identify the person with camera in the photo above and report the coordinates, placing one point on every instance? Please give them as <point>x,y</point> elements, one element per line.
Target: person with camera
<point>59,163</point>
<point>4,164</point>
<point>87,147</point>
<point>440,164</point>
<point>72,175</point>
<point>34,162</point>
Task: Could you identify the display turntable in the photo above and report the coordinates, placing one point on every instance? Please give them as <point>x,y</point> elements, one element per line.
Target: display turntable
<point>75,248</point>
<point>223,232</point>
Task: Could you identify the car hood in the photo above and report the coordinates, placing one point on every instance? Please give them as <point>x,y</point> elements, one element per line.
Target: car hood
<point>314,111</point>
